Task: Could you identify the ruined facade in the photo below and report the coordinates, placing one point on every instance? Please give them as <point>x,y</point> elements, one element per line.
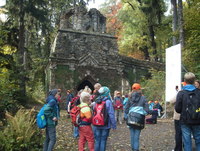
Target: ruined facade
<point>83,54</point>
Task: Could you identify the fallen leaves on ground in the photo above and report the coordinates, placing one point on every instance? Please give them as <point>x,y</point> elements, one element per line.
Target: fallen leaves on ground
<point>154,137</point>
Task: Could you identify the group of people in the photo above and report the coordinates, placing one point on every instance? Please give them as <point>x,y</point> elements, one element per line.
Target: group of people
<point>95,136</point>
<point>134,106</point>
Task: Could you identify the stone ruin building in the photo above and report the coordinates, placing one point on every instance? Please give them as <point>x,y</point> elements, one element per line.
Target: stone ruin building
<point>83,54</point>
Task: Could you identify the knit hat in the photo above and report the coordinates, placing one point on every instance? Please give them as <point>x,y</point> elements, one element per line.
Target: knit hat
<point>53,92</point>
<point>85,97</point>
<point>104,91</point>
<point>136,86</point>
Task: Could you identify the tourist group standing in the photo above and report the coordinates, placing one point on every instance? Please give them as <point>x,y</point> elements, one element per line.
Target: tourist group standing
<point>98,113</point>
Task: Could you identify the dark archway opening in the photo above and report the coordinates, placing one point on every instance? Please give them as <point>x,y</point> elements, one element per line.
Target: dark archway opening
<point>85,83</point>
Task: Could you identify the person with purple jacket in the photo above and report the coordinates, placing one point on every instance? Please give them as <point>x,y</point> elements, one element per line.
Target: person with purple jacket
<point>101,133</point>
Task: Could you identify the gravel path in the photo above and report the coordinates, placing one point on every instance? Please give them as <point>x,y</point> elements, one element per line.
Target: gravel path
<point>158,137</point>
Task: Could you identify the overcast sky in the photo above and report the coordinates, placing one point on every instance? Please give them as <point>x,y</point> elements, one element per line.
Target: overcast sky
<point>95,4</point>
<point>92,4</point>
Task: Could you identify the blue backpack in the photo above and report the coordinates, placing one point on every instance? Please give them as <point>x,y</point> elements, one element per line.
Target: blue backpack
<point>41,120</point>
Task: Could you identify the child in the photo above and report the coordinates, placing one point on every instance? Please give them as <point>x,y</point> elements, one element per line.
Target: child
<point>158,107</point>
<point>118,106</point>
<point>153,118</point>
<point>85,129</point>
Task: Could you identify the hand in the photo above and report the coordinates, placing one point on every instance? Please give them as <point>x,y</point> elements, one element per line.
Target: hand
<point>54,119</point>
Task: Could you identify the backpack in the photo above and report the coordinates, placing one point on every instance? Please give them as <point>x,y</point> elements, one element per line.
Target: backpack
<point>118,105</point>
<point>41,120</point>
<point>100,114</point>
<point>74,102</point>
<point>192,106</point>
<point>75,115</point>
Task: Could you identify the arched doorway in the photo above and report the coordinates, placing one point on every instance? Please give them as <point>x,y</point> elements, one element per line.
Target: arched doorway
<point>85,83</point>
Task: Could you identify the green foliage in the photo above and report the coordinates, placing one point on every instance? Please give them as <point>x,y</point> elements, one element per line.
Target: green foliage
<point>144,29</point>
<point>41,20</point>
<point>163,36</point>
<point>21,133</point>
<point>191,53</point>
<point>134,25</point>
<point>8,93</point>
<point>154,88</point>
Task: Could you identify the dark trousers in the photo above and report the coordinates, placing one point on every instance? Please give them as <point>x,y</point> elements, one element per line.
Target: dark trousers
<point>50,139</point>
<point>178,136</point>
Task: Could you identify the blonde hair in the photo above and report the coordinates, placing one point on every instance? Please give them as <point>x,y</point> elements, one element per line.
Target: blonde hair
<point>189,78</point>
<point>87,89</point>
<point>115,93</point>
<point>85,97</point>
<point>97,86</point>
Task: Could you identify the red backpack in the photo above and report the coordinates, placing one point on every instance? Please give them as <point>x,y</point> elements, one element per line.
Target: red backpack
<point>73,102</point>
<point>100,115</point>
<point>118,105</point>
<point>75,115</point>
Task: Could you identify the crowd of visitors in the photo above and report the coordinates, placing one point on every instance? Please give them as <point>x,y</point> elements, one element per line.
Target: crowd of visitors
<point>97,112</point>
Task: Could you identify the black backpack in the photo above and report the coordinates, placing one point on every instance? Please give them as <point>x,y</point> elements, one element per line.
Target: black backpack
<point>192,106</point>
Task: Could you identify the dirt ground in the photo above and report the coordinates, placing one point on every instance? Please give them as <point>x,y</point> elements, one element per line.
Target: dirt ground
<point>157,137</point>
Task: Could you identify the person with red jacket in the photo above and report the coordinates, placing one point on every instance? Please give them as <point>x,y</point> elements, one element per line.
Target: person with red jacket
<point>118,106</point>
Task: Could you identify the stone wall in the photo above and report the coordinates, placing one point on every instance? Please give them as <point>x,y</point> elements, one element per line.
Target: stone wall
<point>83,56</point>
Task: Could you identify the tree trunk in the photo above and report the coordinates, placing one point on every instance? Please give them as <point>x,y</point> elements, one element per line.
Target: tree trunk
<point>181,31</point>
<point>21,51</point>
<point>144,49</point>
<point>175,20</point>
<point>153,43</point>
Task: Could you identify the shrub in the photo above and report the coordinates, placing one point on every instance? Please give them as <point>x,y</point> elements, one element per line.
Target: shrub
<point>21,133</point>
<point>154,88</point>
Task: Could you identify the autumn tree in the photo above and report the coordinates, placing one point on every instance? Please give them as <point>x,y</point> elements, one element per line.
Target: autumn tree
<point>110,9</point>
<point>141,19</point>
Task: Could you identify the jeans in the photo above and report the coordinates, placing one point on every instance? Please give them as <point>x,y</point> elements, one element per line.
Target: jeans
<point>135,136</point>
<point>101,136</point>
<point>178,136</point>
<point>76,132</point>
<point>50,139</point>
<point>187,130</point>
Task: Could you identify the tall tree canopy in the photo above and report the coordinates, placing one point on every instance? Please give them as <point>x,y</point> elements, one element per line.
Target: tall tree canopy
<point>191,52</point>
<point>141,21</point>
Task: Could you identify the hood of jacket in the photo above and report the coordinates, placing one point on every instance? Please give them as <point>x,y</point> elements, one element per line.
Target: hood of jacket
<point>135,97</point>
<point>189,87</point>
<point>49,98</point>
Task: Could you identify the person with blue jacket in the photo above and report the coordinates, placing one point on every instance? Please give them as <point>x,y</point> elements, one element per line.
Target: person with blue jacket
<point>51,112</point>
<point>189,126</point>
<point>124,105</point>
<point>138,104</point>
<point>101,133</point>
